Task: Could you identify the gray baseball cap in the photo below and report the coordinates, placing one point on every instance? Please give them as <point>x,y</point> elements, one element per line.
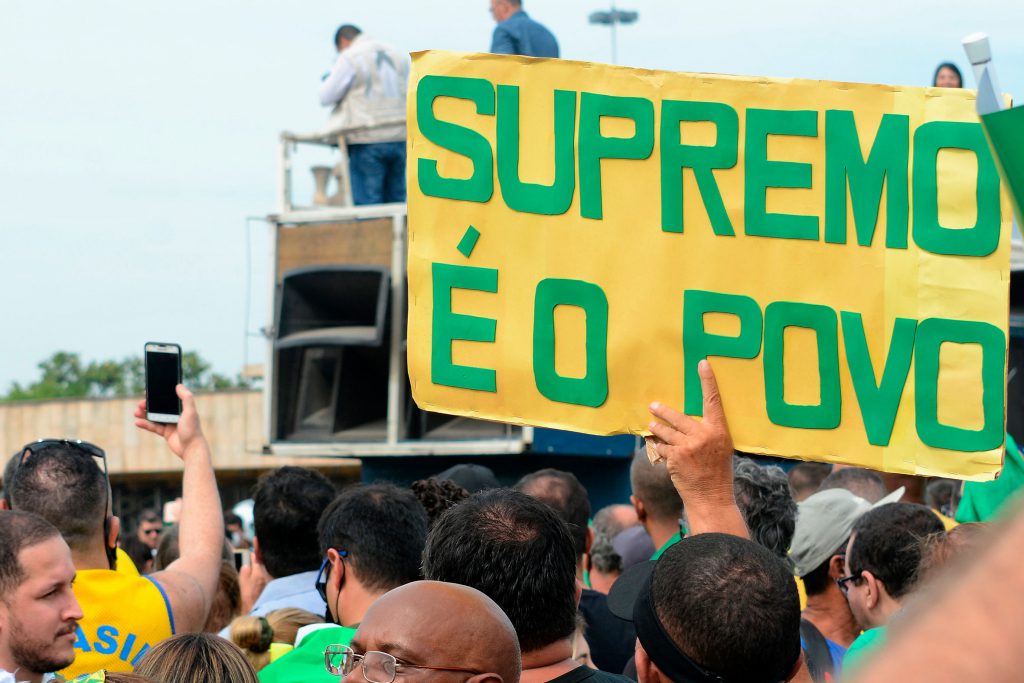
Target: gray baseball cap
<point>824,522</point>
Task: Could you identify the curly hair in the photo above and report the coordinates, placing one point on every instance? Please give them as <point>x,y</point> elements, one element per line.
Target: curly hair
<point>764,498</point>
<point>437,495</point>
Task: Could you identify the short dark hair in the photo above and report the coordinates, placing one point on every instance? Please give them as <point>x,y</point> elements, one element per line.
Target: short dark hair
<point>566,496</point>
<point>19,530</point>
<point>889,541</point>
<point>287,505</point>
<point>231,518</point>
<point>764,498</point>
<point>66,487</point>
<point>518,552</point>
<point>865,483</point>
<point>653,485</point>
<point>149,516</point>
<point>346,31</point>
<point>9,469</point>
<point>739,614</point>
<point>382,527</point>
<point>806,477</point>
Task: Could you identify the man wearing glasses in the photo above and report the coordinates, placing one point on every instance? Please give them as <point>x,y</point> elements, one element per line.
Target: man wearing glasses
<point>882,562</point>
<point>65,482</point>
<point>399,636</point>
<point>824,522</point>
<point>371,539</point>
<point>150,526</point>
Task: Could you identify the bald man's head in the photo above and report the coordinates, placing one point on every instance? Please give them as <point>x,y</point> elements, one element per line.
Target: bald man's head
<point>435,624</point>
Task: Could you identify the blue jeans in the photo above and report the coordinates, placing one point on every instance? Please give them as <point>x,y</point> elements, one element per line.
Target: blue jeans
<point>378,172</point>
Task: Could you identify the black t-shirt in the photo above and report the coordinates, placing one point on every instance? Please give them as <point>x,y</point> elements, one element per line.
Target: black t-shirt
<point>612,640</point>
<point>585,673</point>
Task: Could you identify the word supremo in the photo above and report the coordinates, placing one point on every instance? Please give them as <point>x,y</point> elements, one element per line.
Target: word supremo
<point>761,334</point>
<point>583,147</point>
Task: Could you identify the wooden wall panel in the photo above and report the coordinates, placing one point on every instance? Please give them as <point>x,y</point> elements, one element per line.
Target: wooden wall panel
<point>231,420</point>
<point>356,242</point>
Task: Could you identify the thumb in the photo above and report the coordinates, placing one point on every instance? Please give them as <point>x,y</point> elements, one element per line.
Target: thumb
<point>714,412</point>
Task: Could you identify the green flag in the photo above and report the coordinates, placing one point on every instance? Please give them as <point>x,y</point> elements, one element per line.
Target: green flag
<point>1005,130</point>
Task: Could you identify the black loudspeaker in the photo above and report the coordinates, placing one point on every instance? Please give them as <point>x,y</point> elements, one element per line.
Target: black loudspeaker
<point>331,350</point>
<point>1015,360</point>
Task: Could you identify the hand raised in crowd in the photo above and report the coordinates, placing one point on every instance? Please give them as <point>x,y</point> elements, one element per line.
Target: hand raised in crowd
<point>252,579</point>
<point>698,454</point>
<point>183,436</point>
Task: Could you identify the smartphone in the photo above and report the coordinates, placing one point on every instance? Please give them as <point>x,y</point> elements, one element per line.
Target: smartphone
<point>241,558</point>
<point>163,374</point>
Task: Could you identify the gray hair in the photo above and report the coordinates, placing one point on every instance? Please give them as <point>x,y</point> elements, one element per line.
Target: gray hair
<point>767,505</point>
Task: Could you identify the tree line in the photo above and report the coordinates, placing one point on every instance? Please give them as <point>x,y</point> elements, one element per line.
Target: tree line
<point>66,375</point>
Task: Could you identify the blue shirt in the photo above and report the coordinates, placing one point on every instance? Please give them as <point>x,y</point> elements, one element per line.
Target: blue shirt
<point>297,590</point>
<point>837,651</point>
<point>521,35</point>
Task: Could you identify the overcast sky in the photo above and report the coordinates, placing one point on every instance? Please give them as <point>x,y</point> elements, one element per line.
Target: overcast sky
<point>136,137</point>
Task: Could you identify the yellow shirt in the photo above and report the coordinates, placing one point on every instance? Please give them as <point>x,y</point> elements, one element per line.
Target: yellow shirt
<point>125,615</point>
<point>125,564</point>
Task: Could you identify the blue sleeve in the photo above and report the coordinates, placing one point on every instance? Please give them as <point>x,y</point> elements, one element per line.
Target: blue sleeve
<point>502,43</point>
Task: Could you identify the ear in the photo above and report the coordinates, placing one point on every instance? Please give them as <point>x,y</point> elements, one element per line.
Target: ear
<point>256,549</point>
<point>115,530</point>
<point>590,539</point>
<point>836,567</point>
<point>646,672</point>
<point>579,592</point>
<point>638,505</point>
<point>874,590</point>
<point>337,577</point>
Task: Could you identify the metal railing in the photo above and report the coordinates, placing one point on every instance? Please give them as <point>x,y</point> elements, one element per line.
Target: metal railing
<point>322,175</point>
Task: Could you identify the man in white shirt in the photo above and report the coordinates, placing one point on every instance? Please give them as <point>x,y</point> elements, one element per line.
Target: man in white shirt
<point>367,87</point>
<point>38,610</point>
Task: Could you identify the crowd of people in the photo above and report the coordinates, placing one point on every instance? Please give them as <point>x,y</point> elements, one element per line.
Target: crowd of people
<point>720,569</point>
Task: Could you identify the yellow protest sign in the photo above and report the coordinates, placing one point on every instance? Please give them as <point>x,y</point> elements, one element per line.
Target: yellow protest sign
<point>581,236</point>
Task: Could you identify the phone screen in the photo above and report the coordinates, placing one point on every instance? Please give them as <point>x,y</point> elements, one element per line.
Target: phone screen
<point>162,370</point>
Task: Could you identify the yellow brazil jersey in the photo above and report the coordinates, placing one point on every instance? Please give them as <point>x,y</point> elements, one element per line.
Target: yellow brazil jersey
<point>124,616</point>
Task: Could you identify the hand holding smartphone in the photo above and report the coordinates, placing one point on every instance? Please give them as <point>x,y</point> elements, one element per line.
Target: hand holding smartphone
<point>163,374</point>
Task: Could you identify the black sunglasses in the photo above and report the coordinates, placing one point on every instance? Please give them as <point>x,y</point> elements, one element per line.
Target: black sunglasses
<point>325,569</point>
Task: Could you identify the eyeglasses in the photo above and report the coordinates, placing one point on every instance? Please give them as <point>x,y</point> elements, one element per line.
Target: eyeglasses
<point>378,667</point>
<point>844,583</point>
<point>150,532</point>
<point>325,569</point>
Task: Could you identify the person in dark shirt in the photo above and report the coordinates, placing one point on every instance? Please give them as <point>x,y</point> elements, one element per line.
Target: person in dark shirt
<point>611,639</point>
<point>518,34</point>
<point>517,551</point>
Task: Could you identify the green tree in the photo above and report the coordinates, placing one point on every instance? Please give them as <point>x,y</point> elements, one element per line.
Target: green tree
<point>63,375</point>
